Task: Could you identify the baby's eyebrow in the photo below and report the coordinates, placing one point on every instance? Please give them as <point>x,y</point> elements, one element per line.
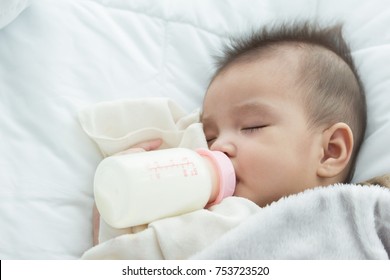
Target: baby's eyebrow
<point>254,107</point>
<point>240,110</point>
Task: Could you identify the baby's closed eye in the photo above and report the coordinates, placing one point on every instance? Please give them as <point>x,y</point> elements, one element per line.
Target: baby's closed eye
<point>250,129</point>
<point>210,140</point>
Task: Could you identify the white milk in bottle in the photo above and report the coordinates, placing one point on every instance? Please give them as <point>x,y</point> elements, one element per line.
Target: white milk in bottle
<point>139,188</point>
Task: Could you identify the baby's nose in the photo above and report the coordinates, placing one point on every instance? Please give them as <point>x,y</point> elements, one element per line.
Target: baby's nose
<point>224,146</point>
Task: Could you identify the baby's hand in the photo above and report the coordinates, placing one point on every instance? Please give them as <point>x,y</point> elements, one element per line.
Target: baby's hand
<point>142,147</point>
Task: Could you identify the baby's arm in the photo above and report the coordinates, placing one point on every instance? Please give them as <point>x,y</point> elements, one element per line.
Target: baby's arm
<point>141,147</point>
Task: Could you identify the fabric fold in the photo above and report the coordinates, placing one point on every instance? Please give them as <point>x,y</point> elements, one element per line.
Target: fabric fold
<point>116,126</point>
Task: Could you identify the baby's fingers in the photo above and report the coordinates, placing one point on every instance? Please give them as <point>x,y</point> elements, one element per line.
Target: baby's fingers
<point>142,147</point>
<point>149,145</point>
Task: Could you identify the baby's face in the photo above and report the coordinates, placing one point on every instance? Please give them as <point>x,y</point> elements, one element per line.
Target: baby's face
<point>253,112</point>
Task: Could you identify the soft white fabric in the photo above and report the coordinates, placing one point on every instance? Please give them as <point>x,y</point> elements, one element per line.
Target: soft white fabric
<point>10,9</point>
<point>336,222</point>
<point>59,56</point>
<point>178,237</point>
<point>118,125</point>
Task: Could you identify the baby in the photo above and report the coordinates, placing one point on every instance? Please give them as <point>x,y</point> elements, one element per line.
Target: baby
<point>287,107</point>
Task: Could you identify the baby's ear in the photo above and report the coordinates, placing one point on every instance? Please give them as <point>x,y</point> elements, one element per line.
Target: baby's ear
<point>337,144</point>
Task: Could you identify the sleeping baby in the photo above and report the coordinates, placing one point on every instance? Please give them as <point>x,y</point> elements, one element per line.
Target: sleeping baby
<point>287,107</point>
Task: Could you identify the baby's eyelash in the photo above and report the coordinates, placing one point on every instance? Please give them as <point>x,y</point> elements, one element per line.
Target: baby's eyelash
<point>253,128</point>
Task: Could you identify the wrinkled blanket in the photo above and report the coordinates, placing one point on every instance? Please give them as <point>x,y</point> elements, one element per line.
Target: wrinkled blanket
<point>335,222</point>
<point>177,237</point>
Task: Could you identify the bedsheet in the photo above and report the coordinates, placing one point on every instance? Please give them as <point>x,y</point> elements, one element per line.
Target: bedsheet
<point>57,57</point>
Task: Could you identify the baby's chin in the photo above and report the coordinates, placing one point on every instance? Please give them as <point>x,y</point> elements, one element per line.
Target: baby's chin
<point>243,191</point>
<point>247,192</point>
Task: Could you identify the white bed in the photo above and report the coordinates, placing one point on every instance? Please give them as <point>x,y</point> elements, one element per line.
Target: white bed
<point>58,56</point>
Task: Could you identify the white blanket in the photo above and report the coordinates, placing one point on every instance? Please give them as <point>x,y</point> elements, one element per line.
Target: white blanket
<point>118,125</point>
<point>336,222</point>
<point>177,237</point>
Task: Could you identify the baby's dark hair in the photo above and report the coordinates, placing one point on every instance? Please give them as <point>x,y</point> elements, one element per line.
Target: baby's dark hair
<point>333,91</point>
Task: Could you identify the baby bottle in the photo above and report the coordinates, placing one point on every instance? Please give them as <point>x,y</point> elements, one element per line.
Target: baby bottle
<point>139,188</point>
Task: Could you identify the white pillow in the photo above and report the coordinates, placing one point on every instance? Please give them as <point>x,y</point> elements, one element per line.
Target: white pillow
<point>10,9</point>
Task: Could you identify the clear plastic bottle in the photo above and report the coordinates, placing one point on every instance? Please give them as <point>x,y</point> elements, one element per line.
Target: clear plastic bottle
<point>139,188</point>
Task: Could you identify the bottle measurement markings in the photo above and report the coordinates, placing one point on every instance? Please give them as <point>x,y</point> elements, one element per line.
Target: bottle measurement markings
<point>183,167</point>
